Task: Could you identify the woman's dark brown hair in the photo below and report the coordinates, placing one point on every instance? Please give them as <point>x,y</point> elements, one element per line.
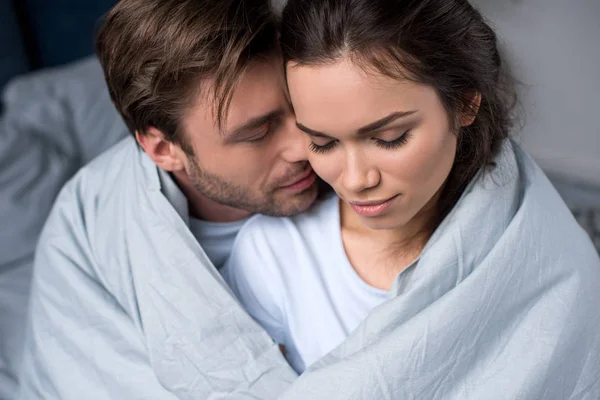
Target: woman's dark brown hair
<point>445,44</point>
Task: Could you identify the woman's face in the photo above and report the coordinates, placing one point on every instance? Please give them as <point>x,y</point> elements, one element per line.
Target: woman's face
<point>386,146</point>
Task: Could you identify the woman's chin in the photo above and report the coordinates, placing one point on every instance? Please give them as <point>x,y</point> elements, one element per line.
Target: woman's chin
<point>384,222</point>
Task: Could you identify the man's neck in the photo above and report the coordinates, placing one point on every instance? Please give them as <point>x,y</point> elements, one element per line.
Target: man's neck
<point>203,208</point>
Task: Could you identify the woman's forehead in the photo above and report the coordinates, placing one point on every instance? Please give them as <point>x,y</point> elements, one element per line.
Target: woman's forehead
<point>342,97</point>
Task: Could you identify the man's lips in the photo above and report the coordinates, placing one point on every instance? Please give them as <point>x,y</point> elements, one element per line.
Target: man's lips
<point>304,181</point>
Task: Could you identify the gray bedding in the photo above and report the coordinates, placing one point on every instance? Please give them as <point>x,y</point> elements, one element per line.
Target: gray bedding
<point>53,122</point>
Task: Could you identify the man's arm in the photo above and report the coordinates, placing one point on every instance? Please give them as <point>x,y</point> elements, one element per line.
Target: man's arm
<point>141,316</point>
<point>80,343</point>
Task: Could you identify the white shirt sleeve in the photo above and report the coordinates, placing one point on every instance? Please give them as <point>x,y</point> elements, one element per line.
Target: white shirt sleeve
<point>254,277</point>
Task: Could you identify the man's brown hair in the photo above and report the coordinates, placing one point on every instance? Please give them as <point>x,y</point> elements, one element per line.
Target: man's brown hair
<point>156,53</point>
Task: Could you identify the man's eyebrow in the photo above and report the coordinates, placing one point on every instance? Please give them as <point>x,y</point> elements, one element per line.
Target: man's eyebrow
<point>373,126</point>
<point>252,124</point>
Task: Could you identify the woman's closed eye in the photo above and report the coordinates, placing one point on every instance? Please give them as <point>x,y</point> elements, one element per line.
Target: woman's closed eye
<point>322,148</point>
<point>393,144</point>
<point>384,144</point>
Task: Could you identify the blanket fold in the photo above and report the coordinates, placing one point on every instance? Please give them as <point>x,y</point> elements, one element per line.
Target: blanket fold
<point>502,303</point>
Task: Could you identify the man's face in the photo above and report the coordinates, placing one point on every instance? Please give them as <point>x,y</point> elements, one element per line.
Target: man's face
<point>257,161</point>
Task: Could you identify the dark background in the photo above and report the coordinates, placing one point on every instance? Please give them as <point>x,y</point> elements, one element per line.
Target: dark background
<point>36,34</point>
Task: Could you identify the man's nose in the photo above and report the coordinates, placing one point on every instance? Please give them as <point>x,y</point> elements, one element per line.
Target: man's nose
<point>295,143</point>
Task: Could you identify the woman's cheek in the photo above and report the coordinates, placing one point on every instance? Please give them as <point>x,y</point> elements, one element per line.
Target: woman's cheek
<point>326,167</point>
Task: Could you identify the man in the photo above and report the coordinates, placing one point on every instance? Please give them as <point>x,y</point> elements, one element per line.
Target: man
<point>134,238</point>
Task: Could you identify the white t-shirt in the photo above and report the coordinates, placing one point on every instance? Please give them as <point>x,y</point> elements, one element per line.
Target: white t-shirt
<point>216,238</point>
<point>293,276</point>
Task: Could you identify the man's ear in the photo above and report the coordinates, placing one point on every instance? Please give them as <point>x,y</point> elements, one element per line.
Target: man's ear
<point>471,108</point>
<point>165,154</point>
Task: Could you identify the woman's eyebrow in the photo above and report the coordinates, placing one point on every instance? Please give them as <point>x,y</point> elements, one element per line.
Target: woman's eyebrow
<point>373,126</point>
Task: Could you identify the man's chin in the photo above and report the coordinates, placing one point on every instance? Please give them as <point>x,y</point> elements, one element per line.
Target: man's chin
<point>294,203</point>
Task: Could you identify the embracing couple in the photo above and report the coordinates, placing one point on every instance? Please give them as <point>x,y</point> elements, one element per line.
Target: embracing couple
<point>402,246</point>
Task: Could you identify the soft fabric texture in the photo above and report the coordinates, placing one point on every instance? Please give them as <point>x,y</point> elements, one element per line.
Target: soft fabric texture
<point>125,304</point>
<point>54,121</point>
<point>216,238</point>
<point>501,304</point>
<point>293,276</point>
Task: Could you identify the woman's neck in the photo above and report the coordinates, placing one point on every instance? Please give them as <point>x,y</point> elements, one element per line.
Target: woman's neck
<point>379,255</point>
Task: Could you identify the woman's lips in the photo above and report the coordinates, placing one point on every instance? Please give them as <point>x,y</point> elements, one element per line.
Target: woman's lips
<point>372,208</point>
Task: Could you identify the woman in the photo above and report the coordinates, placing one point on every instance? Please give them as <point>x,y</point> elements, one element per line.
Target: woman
<point>469,269</point>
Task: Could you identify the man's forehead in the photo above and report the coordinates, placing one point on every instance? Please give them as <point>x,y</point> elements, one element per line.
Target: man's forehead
<point>260,92</point>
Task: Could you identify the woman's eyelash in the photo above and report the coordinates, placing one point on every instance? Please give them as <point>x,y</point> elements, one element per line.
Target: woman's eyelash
<point>315,148</point>
<point>394,144</point>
